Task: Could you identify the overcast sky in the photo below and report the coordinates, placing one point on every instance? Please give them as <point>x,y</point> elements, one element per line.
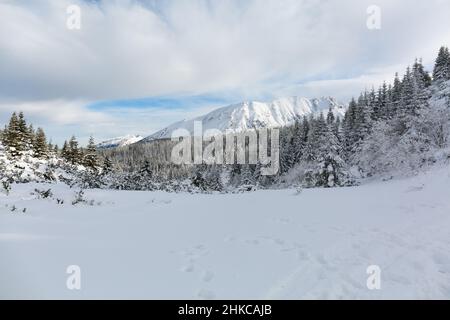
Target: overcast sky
<point>137,66</point>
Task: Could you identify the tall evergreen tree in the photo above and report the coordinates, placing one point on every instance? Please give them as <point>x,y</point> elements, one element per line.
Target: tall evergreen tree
<point>40,146</point>
<point>349,126</point>
<point>442,66</point>
<point>24,142</point>
<point>396,96</point>
<point>330,117</point>
<point>90,159</point>
<point>65,151</point>
<point>107,166</point>
<point>73,153</point>
<point>31,137</point>
<point>12,136</point>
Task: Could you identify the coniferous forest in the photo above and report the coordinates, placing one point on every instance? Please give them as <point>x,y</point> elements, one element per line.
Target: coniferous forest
<point>399,128</point>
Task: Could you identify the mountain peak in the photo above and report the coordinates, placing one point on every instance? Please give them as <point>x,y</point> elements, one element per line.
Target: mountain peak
<point>119,141</point>
<point>249,115</point>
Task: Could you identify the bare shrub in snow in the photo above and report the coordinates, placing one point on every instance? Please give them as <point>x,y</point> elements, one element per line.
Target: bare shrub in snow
<point>6,187</point>
<point>44,194</point>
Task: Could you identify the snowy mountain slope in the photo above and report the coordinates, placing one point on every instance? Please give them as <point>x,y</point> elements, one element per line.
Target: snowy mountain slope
<point>255,115</point>
<point>235,246</point>
<point>119,141</point>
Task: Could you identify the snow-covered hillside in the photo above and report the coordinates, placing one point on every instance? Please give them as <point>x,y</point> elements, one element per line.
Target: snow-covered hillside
<point>254,115</point>
<point>27,168</point>
<point>119,142</point>
<point>132,244</point>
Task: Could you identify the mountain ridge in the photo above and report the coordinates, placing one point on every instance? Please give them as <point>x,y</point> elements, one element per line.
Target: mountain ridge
<point>249,115</point>
<point>119,141</point>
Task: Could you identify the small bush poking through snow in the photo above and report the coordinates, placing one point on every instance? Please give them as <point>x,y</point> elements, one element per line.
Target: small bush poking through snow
<point>298,190</point>
<point>6,187</point>
<point>44,194</point>
<point>79,197</point>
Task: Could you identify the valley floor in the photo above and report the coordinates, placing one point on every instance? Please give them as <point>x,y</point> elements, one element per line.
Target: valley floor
<point>266,244</point>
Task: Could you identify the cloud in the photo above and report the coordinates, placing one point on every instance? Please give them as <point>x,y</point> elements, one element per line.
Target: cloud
<point>61,118</point>
<point>131,49</point>
<point>128,49</point>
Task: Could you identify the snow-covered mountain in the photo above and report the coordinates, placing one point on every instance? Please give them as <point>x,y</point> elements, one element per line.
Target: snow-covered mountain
<point>119,141</point>
<point>256,115</point>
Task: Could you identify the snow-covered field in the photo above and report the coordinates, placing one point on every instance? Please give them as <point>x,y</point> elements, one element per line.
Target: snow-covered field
<point>267,244</point>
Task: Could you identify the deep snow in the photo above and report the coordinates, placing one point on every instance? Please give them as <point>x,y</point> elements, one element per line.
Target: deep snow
<point>266,244</point>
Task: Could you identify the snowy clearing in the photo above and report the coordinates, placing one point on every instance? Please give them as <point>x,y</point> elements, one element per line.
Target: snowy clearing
<point>266,244</point>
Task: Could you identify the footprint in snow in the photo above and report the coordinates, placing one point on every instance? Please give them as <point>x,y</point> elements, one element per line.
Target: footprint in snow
<point>205,294</point>
<point>188,268</point>
<point>415,188</point>
<point>207,276</point>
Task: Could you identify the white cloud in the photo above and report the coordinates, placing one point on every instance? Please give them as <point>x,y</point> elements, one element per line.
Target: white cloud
<point>131,49</point>
<point>126,50</point>
<point>61,119</point>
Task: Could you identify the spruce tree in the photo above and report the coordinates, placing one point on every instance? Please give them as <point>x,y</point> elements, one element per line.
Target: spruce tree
<point>286,152</point>
<point>65,151</point>
<point>107,166</point>
<point>407,95</point>
<point>73,152</point>
<point>40,146</point>
<point>24,143</point>
<point>331,165</point>
<point>373,104</point>
<point>31,137</point>
<point>90,159</point>
<point>146,169</point>
<point>421,73</point>
<point>12,136</point>
<point>395,97</point>
<point>330,117</point>
<point>441,70</point>
<point>349,126</point>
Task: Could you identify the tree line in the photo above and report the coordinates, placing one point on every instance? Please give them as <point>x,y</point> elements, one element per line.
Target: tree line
<point>397,126</point>
<point>20,138</point>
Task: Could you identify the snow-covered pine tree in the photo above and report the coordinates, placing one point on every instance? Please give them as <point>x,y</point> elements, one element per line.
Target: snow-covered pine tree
<point>247,176</point>
<point>90,159</point>
<point>12,137</point>
<point>24,143</point>
<point>31,137</point>
<point>382,102</point>
<point>65,151</point>
<point>40,146</point>
<point>442,66</point>
<point>213,178</point>
<point>333,172</point>
<point>363,120</point>
<point>143,178</point>
<point>421,81</point>
<point>73,153</point>
<point>330,117</point>
<point>337,129</point>
<point>198,177</point>
<point>373,104</point>
<point>421,73</point>
<point>406,98</point>
<point>299,141</point>
<point>286,149</point>
<point>326,167</point>
<point>107,167</point>
<point>349,127</point>
<point>395,97</point>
